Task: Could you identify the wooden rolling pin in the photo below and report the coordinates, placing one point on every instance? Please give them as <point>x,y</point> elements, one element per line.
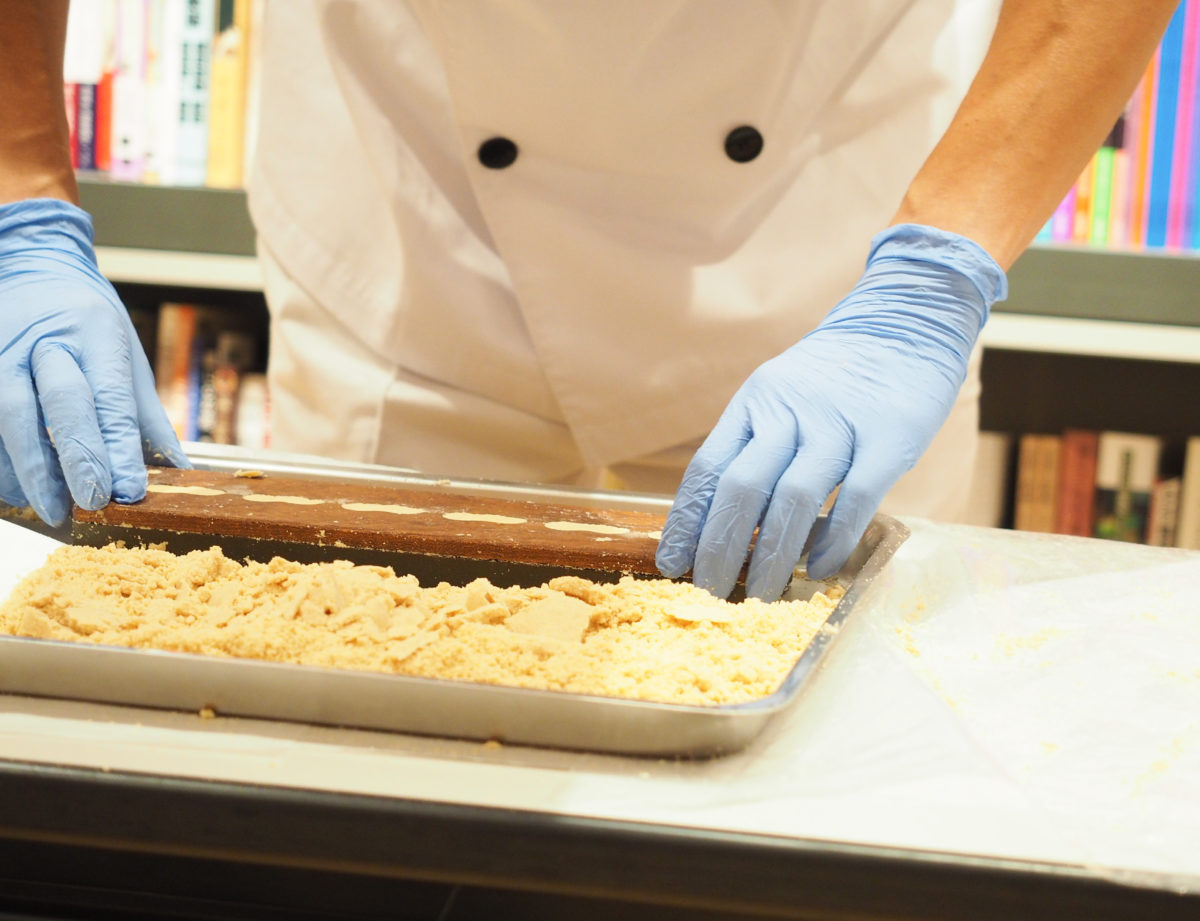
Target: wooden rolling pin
<point>422,529</point>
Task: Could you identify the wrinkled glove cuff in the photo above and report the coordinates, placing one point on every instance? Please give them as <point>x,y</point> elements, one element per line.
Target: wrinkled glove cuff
<point>942,247</point>
<point>46,224</point>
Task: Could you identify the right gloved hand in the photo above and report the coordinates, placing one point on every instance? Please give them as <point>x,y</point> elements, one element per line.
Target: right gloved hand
<point>79,414</point>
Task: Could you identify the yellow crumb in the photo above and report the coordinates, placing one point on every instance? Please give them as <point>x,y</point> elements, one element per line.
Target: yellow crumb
<point>249,474</point>
<point>208,713</point>
<point>650,639</point>
<point>17,512</point>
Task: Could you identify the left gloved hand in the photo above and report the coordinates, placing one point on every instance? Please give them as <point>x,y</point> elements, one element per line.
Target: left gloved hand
<point>856,402</point>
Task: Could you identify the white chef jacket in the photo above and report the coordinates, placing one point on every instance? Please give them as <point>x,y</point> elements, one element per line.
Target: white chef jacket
<point>516,238</point>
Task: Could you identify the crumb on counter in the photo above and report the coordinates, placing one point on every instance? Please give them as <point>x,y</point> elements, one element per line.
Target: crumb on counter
<point>250,474</point>
<point>650,639</point>
<point>17,512</point>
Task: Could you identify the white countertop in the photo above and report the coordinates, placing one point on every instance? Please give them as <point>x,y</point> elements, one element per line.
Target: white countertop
<point>997,694</point>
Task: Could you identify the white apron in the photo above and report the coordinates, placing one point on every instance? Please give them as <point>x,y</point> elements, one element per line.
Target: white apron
<point>507,239</point>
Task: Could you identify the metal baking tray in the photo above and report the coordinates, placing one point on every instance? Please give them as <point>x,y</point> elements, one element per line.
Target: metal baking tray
<point>370,700</point>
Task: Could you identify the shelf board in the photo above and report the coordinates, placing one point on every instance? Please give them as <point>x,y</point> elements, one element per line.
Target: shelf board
<point>1065,299</point>
<point>1009,331</point>
<point>1101,338</point>
<point>196,220</point>
<point>1099,284</point>
<point>179,269</point>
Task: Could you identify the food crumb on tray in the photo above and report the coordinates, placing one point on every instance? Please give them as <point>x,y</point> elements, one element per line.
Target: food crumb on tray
<point>650,639</point>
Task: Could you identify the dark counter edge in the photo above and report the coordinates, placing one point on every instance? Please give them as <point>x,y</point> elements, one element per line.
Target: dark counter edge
<point>619,862</point>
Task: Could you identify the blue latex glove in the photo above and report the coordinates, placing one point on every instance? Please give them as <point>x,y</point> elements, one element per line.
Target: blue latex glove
<point>855,402</point>
<point>78,408</point>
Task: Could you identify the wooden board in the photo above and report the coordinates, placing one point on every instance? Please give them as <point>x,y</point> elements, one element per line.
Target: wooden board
<point>338,516</point>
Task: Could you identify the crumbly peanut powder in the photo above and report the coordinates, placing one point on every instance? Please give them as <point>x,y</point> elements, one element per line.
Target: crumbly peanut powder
<point>651,639</point>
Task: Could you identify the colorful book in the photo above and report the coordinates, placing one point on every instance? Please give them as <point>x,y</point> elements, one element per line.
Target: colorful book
<point>104,107</point>
<point>70,93</point>
<point>85,126</point>
<point>1102,184</point>
<point>227,103</point>
<point>1188,532</point>
<point>1126,470</point>
<point>164,93</point>
<point>1191,224</point>
<point>1077,482</point>
<point>1063,220</point>
<point>1124,169</point>
<point>1166,109</point>
<point>1081,225</point>
<point>1178,233</point>
<point>254,412</point>
<point>1142,153</point>
<point>156,36</point>
<point>1036,500</point>
<point>196,35</point>
<point>1162,521</point>
<point>129,92</point>
<point>172,362</point>
<point>1118,207</point>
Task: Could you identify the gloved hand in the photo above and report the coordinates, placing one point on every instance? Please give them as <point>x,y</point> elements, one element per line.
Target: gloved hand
<point>856,402</point>
<point>70,363</point>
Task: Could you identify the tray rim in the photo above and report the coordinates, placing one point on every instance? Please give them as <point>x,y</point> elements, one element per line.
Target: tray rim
<point>201,667</point>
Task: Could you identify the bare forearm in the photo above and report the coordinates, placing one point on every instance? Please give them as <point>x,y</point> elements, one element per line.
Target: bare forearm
<point>1053,83</point>
<point>35,156</point>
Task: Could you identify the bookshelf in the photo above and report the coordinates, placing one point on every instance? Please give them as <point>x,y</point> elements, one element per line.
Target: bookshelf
<point>1088,337</point>
<point>1064,300</point>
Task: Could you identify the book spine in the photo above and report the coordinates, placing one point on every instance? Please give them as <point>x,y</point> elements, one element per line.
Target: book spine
<point>164,96</point>
<point>1166,106</point>
<point>105,120</point>
<point>1126,470</point>
<point>227,99</point>
<point>226,381</point>
<point>200,395</point>
<point>85,125</point>
<point>173,350</point>
<point>1077,482</point>
<point>1191,226</point>
<point>1081,225</point>
<point>1181,161</point>
<point>1188,532</point>
<point>196,37</point>
<point>1118,219</point>
<point>1102,184</point>
<point>1143,152</point>
<point>151,113</point>
<point>1163,518</point>
<point>129,92</point>
<point>1125,168</point>
<point>1037,482</point>
<point>1063,221</point>
<point>87,55</point>
<point>71,103</point>
<point>254,412</point>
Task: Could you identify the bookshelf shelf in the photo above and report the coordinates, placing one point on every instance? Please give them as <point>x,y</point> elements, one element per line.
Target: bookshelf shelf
<point>1096,338</point>
<point>152,217</point>
<point>163,268</point>
<point>1048,280</point>
<point>1099,284</point>
<point>1064,300</point>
